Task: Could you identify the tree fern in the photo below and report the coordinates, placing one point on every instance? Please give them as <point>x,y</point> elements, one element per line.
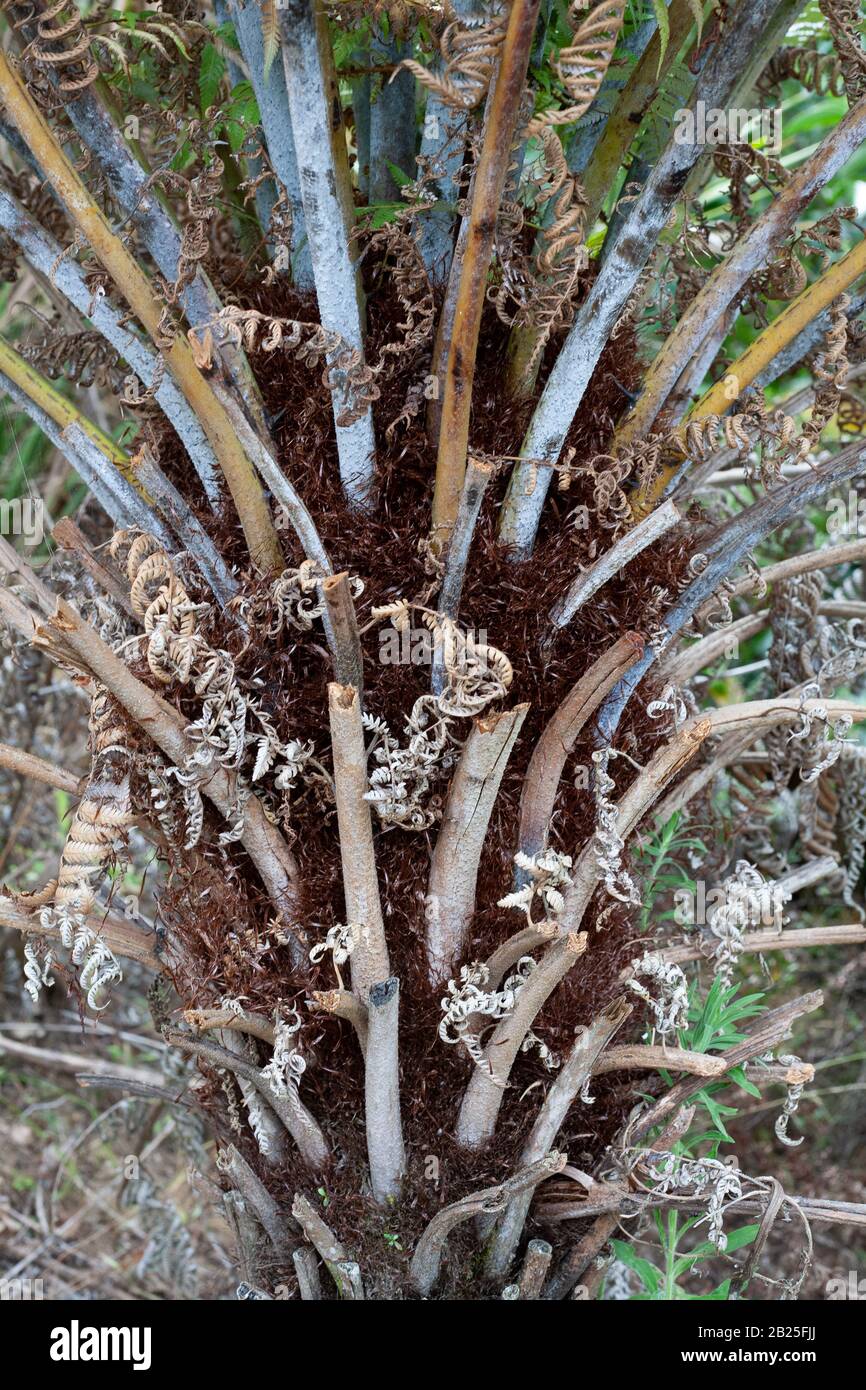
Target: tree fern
<point>431,497</point>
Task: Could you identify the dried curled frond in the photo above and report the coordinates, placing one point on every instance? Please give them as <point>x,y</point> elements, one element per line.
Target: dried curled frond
<point>794,1094</point>
<point>63,45</point>
<point>468,1002</point>
<point>609,844</point>
<point>395,247</point>
<point>551,1061</point>
<point>36,196</point>
<point>101,820</point>
<point>831,736</point>
<point>233,1112</point>
<point>738,162</point>
<point>755,425</point>
<point>851,819</point>
<point>844,18</point>
<point>83,357</point>
<point>785,276</point>
<point>544,291</point>
<point>97,828</point>
<point>817,72</point>
<point>582,64</point>
<point>669,1002</point>
<point>341,941</point>
<point>285,1069</point>
<point>37,969</point>
<point>749,901</point>
<point>397,613</point>
<point>548,875</point>
<point>160,600</point>
<point>702,1177</point>
<point>178,810</point>
<point>751,800</point>
<point>270,33</point>
<point>831,368</point>
<point>346,375</point>
<point>514,281</point>
<point>796,623</point>
<point>293,601</point>
<point>818,806</point>
<point>98,967</point>
<point>203,192</point>
<point>469,50</point>
<point>403,779</point>
<point>232,725</point>
<point>475,673</point>
<point>281,224</point>
<point>297,763</point>
<point>562,237</point>
<point>809,652</point>
<point>267,1129</point>
<point>674,702</point>
<point>608,474</point>
<point>396,250</point>
<point>221,727</point>
<point>703,437</point>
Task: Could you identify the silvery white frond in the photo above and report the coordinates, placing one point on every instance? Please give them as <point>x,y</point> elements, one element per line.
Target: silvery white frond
<point>677,703</point>
<point>791,1105</point>
<point>548,874</point>
<point>285,1069</point>
<point>609,843</point>
<point>670,1002</point>
<point>99,967</point>
<point>749,901</point>
<point>469,998</point>
<point>703,1177</point>
<point>37,971</point>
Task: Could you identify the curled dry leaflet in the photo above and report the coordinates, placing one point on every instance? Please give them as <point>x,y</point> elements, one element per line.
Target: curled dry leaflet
<point>484,965</point>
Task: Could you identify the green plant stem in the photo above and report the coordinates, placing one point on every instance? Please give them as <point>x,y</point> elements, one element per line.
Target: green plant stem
<point>474,266</point>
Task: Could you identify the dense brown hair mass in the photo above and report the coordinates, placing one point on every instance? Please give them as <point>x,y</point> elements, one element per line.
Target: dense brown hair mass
<point>510,602</point>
